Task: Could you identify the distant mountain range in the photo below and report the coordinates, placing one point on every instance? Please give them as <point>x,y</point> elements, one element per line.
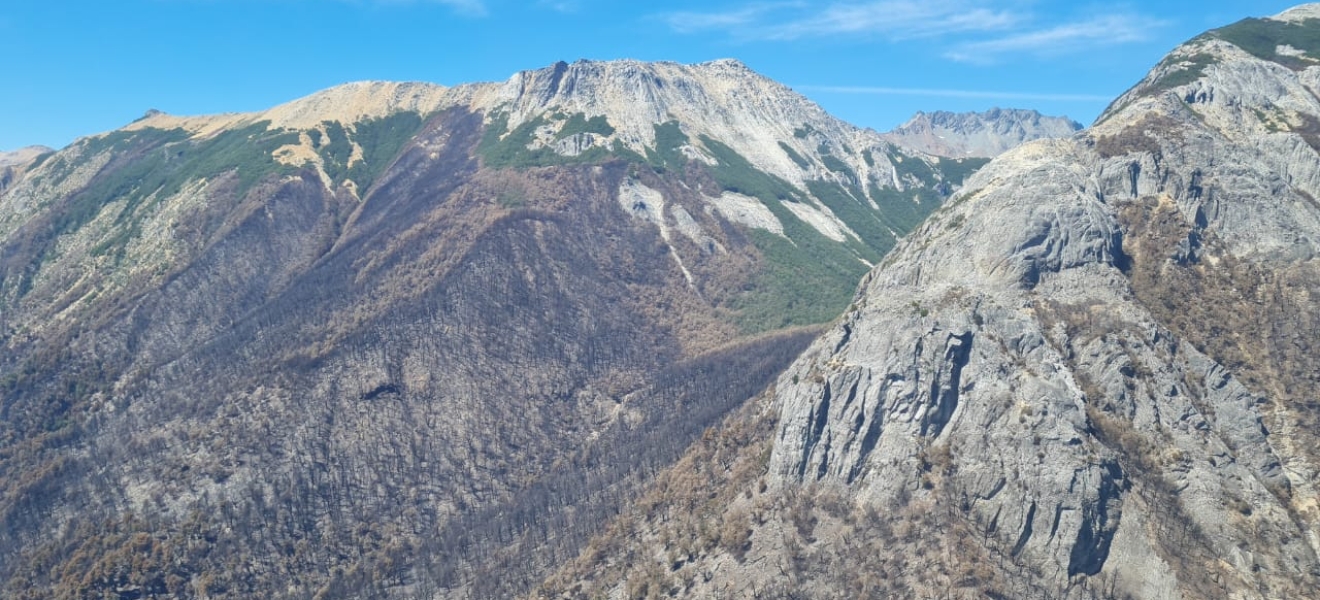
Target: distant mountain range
<point>986,134</point>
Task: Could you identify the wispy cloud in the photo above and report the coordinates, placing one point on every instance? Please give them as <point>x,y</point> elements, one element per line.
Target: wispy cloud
<point>950,93</point>
<point>895,19</point>
<point>975,30</point>
<point>1103,31</point>
<point>740,20</point>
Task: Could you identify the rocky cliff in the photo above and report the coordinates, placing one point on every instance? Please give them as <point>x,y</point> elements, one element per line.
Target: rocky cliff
<point>982,135</point>
<point>1092,374</point>
<point>407,340</point>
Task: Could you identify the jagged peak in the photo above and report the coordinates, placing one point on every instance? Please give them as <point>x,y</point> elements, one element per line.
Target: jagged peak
<point>557,83</point>
<point>989,115</point>
<point>978,134</point>
<point>727,62</point>
<point>723,99</point>
<point>624,64</point>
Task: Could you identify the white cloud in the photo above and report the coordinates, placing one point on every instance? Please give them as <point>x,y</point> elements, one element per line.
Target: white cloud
<point>1066,38</point>
<point>975,30</point>
<point>896,19</point>
<point>731,21</point>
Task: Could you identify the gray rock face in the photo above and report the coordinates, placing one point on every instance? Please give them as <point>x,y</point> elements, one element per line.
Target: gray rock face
<point>984,135</point>
<point>1077,336</point>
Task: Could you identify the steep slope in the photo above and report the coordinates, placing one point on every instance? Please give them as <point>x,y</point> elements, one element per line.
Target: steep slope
<point>978,135</point>
<point>1090,375</point>
<point>401,340</point>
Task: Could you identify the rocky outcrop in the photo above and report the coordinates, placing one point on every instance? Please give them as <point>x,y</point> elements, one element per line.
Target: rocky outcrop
<point>986,134</point>
<point>1030,333</point>
<point>1091,374</point>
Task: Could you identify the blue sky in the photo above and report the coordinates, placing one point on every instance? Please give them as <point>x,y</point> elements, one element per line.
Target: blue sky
<point>77,67</point>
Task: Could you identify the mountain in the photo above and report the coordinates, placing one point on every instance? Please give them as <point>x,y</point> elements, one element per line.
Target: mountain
<point>981,135</point>
<point>22,155</point>
<point>15,163</point>
<point>1091,374</point>
<point>407,340</point>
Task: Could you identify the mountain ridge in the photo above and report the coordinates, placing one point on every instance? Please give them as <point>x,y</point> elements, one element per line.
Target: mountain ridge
<point>978,134</point>
<point>22,155</point>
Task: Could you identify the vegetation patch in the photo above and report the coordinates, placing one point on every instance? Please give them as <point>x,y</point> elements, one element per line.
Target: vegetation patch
<point>1189,70</point>
<point>903,211</point>
<point>1262,38</point>
<point>869,158</point>
<point>838,166</point>
<point>808,278</point>
<point>957,170</point>
<point>381,140</point>
<point>511,150</point>
<point>736,174</point>
<point>499,150</point>
<point>579,123</point>
<point>162,162</point>
<point>666,155</point>
<point>861,218</point>
<point>914,168</point>
<point>336,152</point>
<point>794,156</point>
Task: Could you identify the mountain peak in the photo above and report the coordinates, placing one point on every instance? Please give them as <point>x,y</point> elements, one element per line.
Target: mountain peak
<point>1252,77</point>
<point>723,99</point>
<point>21,155</point>
<point>354,101</point>
<point>1300,13</point>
